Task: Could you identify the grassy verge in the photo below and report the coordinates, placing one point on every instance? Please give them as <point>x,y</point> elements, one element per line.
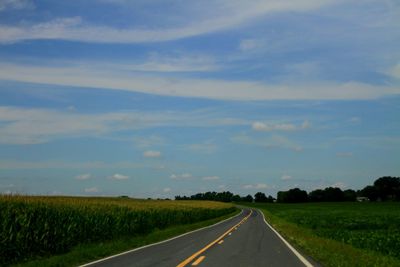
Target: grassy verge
<point>90,252</point>
<point>326,251</point>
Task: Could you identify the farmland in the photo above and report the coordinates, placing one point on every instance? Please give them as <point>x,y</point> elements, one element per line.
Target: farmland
<point>341,234</point>
<point>42,226</point>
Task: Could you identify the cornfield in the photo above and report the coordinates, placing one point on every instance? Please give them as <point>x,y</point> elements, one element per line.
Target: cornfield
<point>38,226</point>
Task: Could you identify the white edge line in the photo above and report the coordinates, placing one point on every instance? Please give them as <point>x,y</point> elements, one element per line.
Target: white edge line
<point>161,242</point>
<point>301,258</point>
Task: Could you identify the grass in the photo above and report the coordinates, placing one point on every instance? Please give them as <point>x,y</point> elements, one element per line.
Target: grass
<point>85,253</point>
<point>340,234</point>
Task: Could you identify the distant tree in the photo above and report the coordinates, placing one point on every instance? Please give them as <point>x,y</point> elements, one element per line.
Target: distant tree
<point>333,194</point>
<point>316,195</point>
<point>349,195</point>
<point>388,188</point>
<point>270,199</point>
<point>370,192</point>
<point>247,198</point>
<point>225,196</point>
<point>236,198</point>
<point>260,197</point>
<point>295,195</point>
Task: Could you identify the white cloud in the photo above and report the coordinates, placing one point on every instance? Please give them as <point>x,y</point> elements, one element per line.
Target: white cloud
<point>275,141</point>
<point>151,154</point>
<point>213,17</point>
<point>16,4</point>
<point>166,190</point>
<point>148,141</point>
<point>340,185</point>
<point>85,176</point>
<point>286,177</point>
<point>92,190</point>
<point>10,164</point>
<point>118,176</point>
<point>35,126</point>
<point>251,44</point>
<point>210,178</point>
<point>355,120</point>
<point>306,125</point>
<point>208,147</point>
<point>182,176</point>
<point>255,186</point>
<point>102,76</point>
<point>267,127</point>
<point>395,71</point>
<point>178,63</point>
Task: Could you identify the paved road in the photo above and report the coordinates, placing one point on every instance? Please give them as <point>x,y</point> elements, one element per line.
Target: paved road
<point>244,240</point>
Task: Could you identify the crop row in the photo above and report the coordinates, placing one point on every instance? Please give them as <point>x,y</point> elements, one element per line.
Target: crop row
<point>33,226</point>
<point>371,226</point>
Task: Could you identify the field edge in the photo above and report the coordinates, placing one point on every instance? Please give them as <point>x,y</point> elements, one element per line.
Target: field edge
<point>85,253</point>
<point>327,252</point>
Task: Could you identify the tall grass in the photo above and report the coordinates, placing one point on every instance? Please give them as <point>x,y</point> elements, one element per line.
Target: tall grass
<point>37,226</point>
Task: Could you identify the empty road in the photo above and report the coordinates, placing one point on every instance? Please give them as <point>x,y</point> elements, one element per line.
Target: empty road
<point>244,240</point>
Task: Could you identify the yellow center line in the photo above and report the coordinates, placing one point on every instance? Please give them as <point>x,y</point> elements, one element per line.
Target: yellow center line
<point>191,258</point>
<point>197,262</point>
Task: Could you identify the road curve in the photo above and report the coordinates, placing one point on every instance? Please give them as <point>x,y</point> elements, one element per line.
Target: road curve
<point>244,240</point>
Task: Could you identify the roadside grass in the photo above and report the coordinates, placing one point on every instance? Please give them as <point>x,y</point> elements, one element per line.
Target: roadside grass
<point>85,253</point>
<point>326,251</point>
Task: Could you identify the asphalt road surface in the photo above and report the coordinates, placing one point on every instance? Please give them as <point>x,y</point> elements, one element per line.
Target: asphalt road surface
<point>245,240</point>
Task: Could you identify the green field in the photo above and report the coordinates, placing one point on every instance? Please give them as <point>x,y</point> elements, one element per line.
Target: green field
<point>341,234</point>
<point>32,227</point>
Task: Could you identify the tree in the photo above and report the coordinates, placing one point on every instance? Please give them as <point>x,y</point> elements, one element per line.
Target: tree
<point>236,198</point>
<point>260,197</point>
<point>349,195</point>
<point>333,194</point>
<point>316,195</point>
<point>388,188</point>
<point>247,198</point>
<point>370,192</point>
<point>292,196</point>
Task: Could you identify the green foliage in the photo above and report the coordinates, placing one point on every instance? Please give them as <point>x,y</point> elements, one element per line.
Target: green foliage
<point>294,195</point>
<point>371,226</point>
<point>34,226</point>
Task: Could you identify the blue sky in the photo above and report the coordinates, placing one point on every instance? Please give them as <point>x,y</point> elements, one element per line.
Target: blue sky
<point>160,98</point>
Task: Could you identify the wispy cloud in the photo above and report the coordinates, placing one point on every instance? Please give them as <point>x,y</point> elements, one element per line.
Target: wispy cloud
<point>167,189</point>
<point>268,127</point>
<point>223,15</point>
<point>15,4</point>
<point>151,154</point>
<point>208,147</point>
<point>286,177</point>
<point>85,176</point>
<point>256,186</point>
<point>119,176</point>
<point>210,178</point>
<point>275,141</point>
<point>35,165</point>
<point>109,78</point>
<point>92,190</point>
<point>35,126</point>
<point>182,176</point>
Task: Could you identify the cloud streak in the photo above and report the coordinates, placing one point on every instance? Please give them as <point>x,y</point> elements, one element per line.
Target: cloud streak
<point>226,15</point>
<point>35,126</point>
<point>106,78</point>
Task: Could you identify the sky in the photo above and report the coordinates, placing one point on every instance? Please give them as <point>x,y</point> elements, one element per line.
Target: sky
<point>151,98</point>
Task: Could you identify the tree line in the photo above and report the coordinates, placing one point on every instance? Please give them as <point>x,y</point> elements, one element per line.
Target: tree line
<point>385,188</point>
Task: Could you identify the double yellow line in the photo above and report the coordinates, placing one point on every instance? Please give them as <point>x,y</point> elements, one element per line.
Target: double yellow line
<point>191,258</point>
